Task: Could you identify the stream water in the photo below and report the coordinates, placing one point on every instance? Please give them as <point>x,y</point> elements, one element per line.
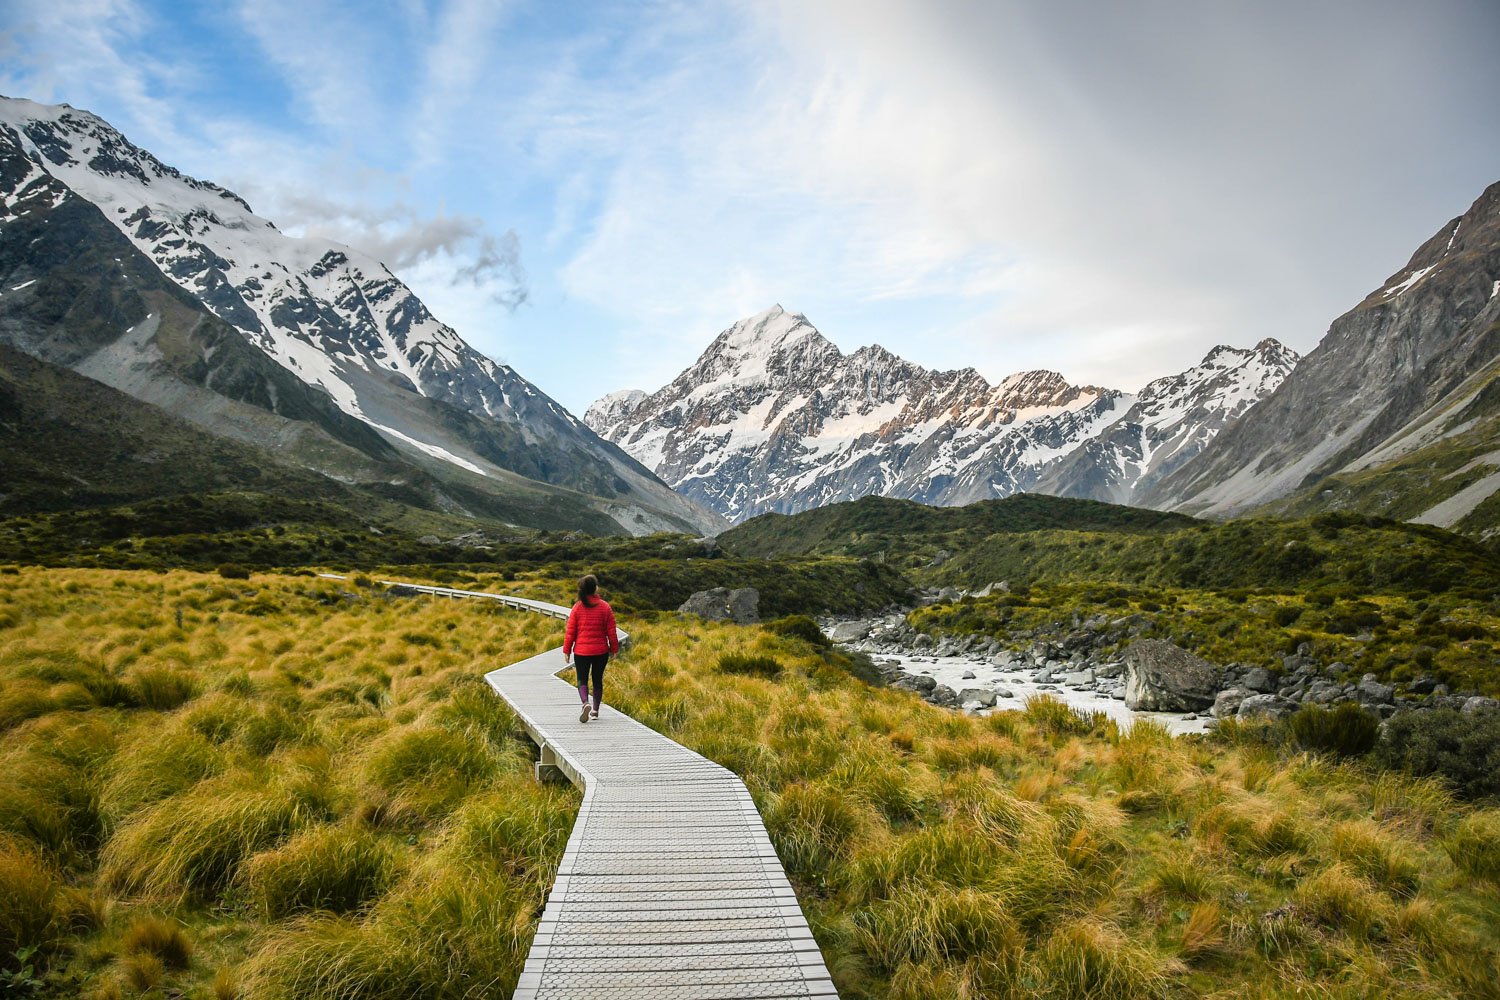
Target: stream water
<point>1019,683</point>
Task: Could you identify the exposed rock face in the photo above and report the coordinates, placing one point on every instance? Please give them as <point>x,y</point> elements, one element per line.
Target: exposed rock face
<point>1388,414</point>
<point>1161,677</point>
<point>741,605</point>
<point>1172,420</point>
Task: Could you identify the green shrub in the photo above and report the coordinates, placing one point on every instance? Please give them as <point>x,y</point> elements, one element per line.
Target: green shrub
<point>1463,750</point>
<point>800,627</point>
<point>744,663</point>
<point>1344,731</point>
<point>1286,615</point>
<point>233,571</point>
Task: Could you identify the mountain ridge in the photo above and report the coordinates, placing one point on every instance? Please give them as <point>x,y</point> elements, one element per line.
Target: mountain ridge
<point>395,380</point>
<point>1397,411</point>
<point>774,417</point>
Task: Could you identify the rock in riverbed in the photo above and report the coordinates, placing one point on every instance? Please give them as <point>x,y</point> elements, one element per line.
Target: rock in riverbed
<point>1161,677</point>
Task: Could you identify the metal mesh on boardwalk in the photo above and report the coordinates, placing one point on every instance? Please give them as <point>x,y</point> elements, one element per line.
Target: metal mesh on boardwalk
<point>669,888</point>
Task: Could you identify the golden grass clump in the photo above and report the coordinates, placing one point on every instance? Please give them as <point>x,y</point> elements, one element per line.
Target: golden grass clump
<point>1204,933</point>
<point>143,970</point>
<point>937,925</point>
<point>815,826</point>
<point>333,868</point>
<point>1377,854</point>
<point>156,765</point>
<point>194,842</point>
<point>1086,958</point>
<point>160,937</point>
<point>1474,846</point>
<point>421,773</point>
<point>1338,899</point>
<point>163,688</point>
<point>29,890</point>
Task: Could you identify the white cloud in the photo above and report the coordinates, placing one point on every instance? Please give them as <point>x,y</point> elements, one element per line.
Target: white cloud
<point>1123,190</point>
<point>74,53</point>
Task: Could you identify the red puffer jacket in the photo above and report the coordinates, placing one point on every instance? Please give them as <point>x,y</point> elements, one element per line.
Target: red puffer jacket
<point>591,630</point>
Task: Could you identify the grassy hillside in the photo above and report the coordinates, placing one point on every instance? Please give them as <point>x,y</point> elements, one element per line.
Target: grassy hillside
<point>252,531</point>
<point>1457,452</point>
<point>1450,638</point>
<point>70,443</point>
<point>1035,539</point>
<point>303,790</point>
<point>908,533</point>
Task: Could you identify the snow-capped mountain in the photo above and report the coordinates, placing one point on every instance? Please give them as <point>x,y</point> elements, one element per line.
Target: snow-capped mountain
<point>332,317</point>
<point>1171,421</point>
<point>773,417</point>
<point>1397,410</point>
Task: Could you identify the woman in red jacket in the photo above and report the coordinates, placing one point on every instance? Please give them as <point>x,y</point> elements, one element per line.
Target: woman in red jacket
<point>590,641</point>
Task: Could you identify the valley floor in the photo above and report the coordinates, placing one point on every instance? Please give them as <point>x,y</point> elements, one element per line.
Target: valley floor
<point>292,787</point>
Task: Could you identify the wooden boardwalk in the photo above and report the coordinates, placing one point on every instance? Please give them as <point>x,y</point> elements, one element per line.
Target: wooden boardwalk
<point>669,888</point>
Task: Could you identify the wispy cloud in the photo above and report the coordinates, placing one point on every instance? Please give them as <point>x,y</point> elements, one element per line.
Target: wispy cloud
<point>81,51</point>
<point>332,55</point>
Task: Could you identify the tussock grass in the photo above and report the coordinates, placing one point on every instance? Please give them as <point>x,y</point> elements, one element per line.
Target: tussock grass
<point>29,889</point>
<point>325,761</point>
<point>1377,854</point>
<point>160,937</point>
<point>162,688</point>
<point>1474,846</point>
<point>1086,958</point>
<point>195,842</point>
<point>156,765</point>
<point>938,926</point>
<point>338,869</point>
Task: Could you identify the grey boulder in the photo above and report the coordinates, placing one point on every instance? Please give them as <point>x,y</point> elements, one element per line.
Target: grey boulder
<point>1162,677</point>
<point>741,605</point>
<point>1227,703</point>
<point>1259,679</point>
<point>1272,706</point>
<point>977,696</point>
<point>850,631</point>
<point>1371,692</point>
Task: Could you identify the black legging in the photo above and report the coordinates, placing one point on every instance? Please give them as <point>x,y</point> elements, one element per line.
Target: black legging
<point>587,665</point>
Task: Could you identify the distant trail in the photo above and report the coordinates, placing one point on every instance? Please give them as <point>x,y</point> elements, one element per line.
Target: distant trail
<point>669,888</point>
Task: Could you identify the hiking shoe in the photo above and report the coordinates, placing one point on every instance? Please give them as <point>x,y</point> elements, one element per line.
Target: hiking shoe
<point>583,716</point>
<point>594,713</point>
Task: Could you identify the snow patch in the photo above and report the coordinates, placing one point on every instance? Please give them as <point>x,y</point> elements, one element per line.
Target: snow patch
<point>430,449</point>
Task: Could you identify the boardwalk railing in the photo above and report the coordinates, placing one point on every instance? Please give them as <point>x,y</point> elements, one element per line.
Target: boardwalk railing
<point>669,887</point>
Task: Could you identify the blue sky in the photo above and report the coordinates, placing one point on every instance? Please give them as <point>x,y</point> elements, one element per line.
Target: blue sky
<point>591,191</point>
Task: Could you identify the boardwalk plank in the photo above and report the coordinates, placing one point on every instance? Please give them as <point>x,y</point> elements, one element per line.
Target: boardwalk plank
<point>669,887</point>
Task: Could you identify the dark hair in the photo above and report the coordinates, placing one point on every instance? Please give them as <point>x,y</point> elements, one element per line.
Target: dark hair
<point>588,587</point>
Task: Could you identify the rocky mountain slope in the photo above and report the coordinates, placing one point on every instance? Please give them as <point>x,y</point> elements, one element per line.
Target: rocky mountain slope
<point>1396,412</point>
<point>174,291</point>
<point>1172,420</point>
<point>774,417</point>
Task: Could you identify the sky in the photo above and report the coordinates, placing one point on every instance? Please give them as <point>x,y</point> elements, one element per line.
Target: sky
<point>590,192</point>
